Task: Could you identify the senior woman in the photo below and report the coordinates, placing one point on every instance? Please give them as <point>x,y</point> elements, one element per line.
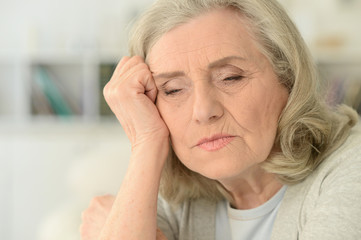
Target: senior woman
<point>226,119</point>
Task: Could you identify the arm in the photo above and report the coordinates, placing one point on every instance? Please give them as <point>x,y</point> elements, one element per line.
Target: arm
<point>94,217</point>
<point>337,212</point>
<point>133,215</point>
<point>131,94</point>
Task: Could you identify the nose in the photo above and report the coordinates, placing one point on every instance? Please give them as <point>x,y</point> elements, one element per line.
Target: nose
<point>207,107</point>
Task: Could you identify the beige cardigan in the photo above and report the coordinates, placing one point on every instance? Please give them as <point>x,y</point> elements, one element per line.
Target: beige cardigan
<point>327,205</point>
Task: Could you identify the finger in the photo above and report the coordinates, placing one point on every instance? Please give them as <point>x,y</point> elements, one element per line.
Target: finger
<point>117,70</point>
<point>121,64</point>
<point>115,74</point>
<point>108,199</point>
<point>129,63</point>
<point>149,84</point>
<point>142,80</point>
<point>151,89</point>
<point>122,70</point>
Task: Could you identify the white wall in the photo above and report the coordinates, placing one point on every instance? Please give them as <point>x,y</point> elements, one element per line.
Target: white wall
<point>80,25</point>
<point>328,21</point>
<point>71,25</point>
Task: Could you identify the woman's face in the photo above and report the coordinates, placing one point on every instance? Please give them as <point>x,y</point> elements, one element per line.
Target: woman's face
<point>217,94</point>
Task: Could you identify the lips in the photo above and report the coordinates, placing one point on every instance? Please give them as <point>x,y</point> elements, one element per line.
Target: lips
<point>215,142</point>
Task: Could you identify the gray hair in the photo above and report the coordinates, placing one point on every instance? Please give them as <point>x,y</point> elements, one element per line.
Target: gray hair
<point>308,130</point>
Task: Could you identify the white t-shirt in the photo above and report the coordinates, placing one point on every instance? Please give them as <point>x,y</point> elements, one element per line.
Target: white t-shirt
<point>250,224</point>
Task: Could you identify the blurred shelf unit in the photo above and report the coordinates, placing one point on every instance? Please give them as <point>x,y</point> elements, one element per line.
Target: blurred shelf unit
<point>342,76</point>
<point>58,87</point>
<point>55,87</point>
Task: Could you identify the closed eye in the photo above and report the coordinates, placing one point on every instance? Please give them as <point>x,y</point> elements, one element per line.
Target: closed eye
<point>233,78</point>
<point>172,92</point>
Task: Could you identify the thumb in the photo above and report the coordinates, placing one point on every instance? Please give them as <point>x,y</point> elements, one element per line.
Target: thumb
<point>150,89</point>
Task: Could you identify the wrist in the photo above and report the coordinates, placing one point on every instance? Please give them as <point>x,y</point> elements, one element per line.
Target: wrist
<point>151,152</point>
<point>151,142</point>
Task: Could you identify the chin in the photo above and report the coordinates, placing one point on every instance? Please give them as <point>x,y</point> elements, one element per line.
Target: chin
<point>221,174</point>
<point>221,168</point>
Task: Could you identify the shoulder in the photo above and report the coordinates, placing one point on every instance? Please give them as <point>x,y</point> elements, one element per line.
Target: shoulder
<point>338,173</point>
<point>328,200</point>
<point>350,147</point>
<point>346,158</point>
<point>341,167</point>
<point>192,219</point>
<point>188,207</point>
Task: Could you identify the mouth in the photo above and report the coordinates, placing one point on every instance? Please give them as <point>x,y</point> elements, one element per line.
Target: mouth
<point>215,142</point>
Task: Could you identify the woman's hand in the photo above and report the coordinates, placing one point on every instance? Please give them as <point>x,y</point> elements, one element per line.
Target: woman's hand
<point>131,94</point>
<point>95,216</point>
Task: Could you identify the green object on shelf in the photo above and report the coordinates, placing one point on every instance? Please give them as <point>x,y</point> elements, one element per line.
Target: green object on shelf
<point>106,72</point>
<point>52,93</point>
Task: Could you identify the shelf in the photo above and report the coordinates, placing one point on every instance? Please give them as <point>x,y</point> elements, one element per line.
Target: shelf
<point>80,79</point>
<point>56,89</point>
<point>105,73</point>
<point>55,86</point>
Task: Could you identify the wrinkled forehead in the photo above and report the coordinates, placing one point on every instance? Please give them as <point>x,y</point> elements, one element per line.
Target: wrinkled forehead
<point>216,34</point>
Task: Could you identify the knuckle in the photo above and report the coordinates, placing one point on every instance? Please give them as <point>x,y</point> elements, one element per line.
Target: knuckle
<point>125,58</point>
<point>138,58</point>
<point>144,71</point>
<point>94,201</point>
<point>143,64</point>
<point>97,201</point>
<point>106,91</point>
<point>108,88</point>
<point>102,198</point>
<point>121,63</point>
<point>99,198</point>
<point>142,74</point>
<point>148,74</point>
<point>110,92</point>
<point>84,214</point>
<point>109,196</point>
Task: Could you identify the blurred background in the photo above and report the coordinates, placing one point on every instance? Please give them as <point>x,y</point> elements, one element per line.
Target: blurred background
<point>60,144</point>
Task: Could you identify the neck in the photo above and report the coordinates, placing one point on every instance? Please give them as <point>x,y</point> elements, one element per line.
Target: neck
<point>251,189</point>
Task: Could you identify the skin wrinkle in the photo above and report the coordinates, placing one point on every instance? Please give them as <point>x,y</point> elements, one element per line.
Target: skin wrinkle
<point>175,52</point>
<point>244,80</point>
<point>247,108</point>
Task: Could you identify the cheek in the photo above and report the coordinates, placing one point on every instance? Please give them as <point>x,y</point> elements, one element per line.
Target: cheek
<point>247,112</point>
<point>257,116</point>
<point>262,105</point>
<point>175,116</point>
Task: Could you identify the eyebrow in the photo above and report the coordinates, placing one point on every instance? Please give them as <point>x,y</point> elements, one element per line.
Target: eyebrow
<point>218,63</point>
<point>223,61</point>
